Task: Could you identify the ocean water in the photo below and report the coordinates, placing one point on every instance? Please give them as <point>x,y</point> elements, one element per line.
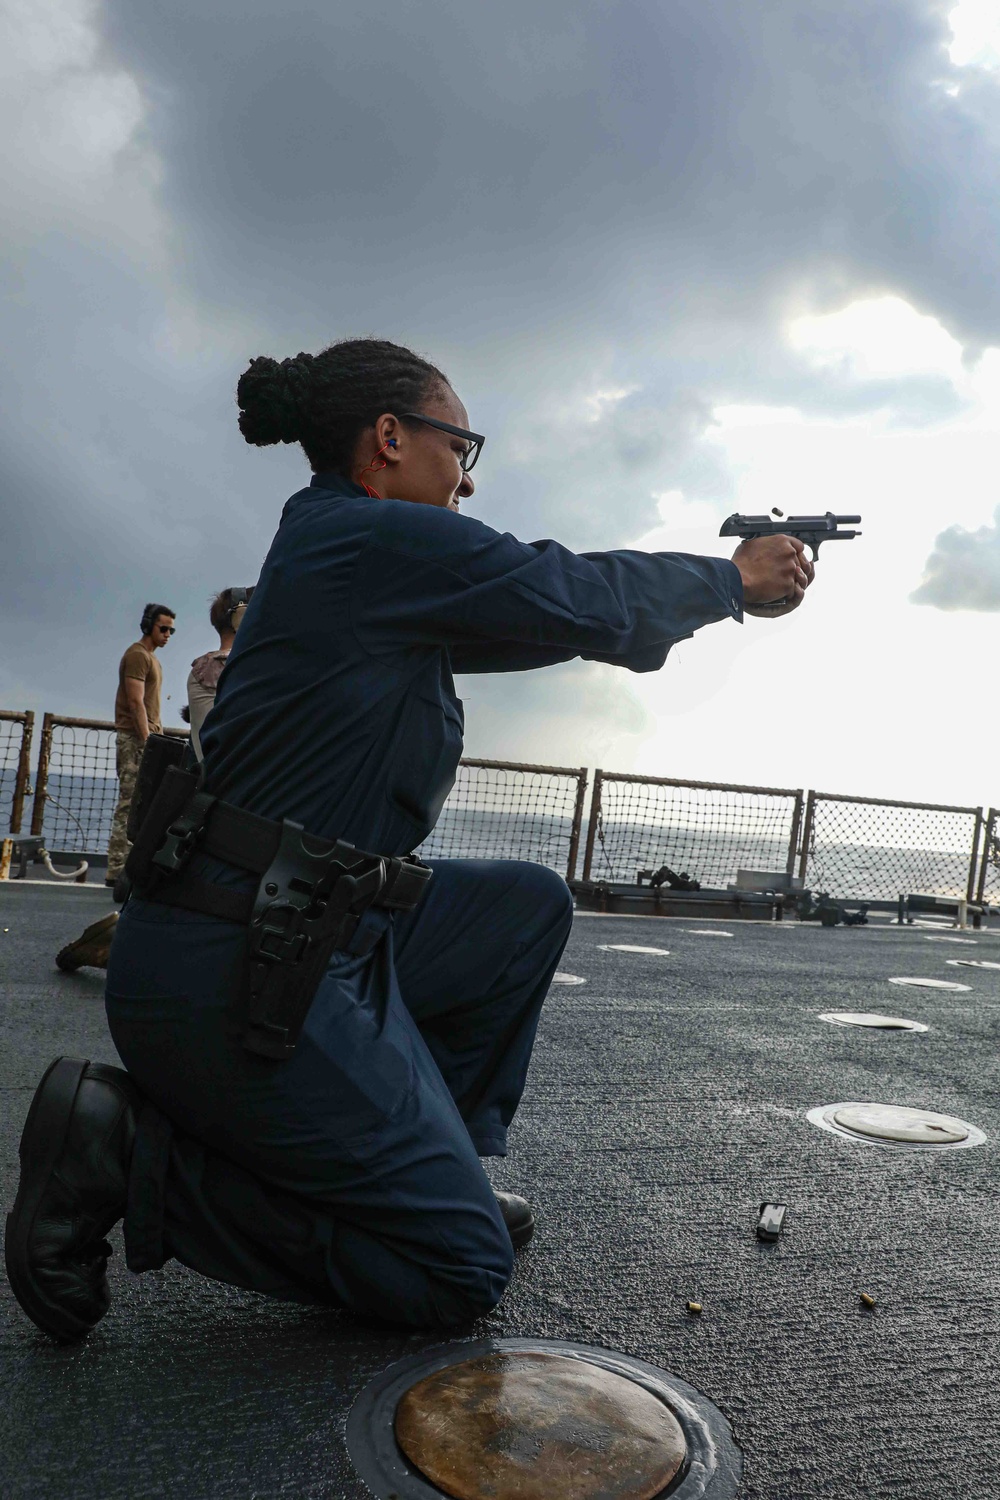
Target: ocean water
<point>843,869</point>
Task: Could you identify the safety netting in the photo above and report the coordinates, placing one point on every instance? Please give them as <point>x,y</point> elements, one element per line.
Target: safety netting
<point>877,850</point>
<point>505,810</point>
<point>707,831</point>
<point>13,728</point>
<point>81,787</point>
<point>989,873</point>
<point>850,847</point>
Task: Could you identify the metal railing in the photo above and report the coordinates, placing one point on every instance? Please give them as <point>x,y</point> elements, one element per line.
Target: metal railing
<point>988,884</point>
<point>76,783</point>
<point>16,730</point>
<point>502,809</point>
<point>869,848</point>
<point>497,809</point>
<point>861,848</point>
<point>708,830</point>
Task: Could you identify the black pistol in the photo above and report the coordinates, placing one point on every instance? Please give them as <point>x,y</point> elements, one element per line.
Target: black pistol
<point>812,530</point>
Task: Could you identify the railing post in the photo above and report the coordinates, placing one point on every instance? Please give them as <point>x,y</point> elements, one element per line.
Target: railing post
<point>595,813</point>
<point>807,828</point>
<point>987,846</point>
<point>970,888</point>
<point>793,838</point>
<point>574,837</point>
<point>23,776</point>
<point>42,775</point>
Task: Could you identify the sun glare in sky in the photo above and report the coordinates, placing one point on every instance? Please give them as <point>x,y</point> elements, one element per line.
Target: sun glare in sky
<point>877,339</point>
<point>975,26</point>
<point>859,650</point>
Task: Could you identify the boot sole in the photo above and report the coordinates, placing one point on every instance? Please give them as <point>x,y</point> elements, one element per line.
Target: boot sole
<point>520,1236</point>
<point>42,1143</point>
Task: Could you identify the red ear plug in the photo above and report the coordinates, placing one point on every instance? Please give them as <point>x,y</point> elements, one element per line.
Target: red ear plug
<point>373,467</point>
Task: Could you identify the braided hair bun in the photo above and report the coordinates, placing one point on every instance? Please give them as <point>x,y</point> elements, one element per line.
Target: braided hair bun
<point>269,396</point>
<point>325,401</point>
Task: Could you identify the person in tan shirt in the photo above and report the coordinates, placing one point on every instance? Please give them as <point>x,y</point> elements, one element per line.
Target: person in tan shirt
<point>228,609</point>
<point>137,716</point>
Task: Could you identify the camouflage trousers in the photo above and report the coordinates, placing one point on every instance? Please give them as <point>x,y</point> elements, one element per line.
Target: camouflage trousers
<point>128,755</point>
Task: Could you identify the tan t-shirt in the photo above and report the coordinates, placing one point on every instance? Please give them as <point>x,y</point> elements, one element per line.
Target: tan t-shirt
<point>141,665</point>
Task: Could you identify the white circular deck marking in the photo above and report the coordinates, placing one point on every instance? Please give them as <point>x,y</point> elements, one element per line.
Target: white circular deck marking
<point>706,932</point>
<point>631,948</point>
<point>898,1122</point>
<point>871,1018</point>
<point>969,942</point>
<point>930,984</point>
<point>971,963</point>
<point>560,978</point>
<point>895,1127</point>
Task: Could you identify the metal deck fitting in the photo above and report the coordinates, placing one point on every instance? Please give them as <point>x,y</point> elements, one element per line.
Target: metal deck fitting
<point>534,1419</point>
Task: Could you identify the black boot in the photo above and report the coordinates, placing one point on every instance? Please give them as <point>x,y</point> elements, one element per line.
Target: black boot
<point>75,1153</point>
<point>518,1216</point>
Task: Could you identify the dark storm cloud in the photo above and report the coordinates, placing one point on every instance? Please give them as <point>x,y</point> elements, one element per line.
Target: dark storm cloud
<point>593,217</point>
<point>494,164</point>
<point>963,571</point>
<point>550,201</point>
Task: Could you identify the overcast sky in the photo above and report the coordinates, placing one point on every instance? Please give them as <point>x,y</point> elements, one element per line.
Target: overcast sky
<point>679,258</point>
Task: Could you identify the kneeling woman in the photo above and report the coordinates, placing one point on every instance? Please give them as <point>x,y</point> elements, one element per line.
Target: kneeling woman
<point>345,1168</point>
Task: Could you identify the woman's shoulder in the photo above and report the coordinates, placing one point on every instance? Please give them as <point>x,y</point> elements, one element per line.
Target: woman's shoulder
<point>336,524</point>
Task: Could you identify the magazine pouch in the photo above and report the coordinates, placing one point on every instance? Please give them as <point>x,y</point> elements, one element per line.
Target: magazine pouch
<point>159,752</point>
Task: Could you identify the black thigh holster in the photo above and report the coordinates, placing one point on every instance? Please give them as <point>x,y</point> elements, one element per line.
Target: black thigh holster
<point>311,895</point>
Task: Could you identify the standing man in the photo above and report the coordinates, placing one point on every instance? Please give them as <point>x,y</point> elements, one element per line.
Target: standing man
<point>137,716</point>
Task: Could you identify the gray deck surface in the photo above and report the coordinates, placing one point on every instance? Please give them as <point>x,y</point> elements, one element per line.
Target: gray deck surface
<point>666,1100</point>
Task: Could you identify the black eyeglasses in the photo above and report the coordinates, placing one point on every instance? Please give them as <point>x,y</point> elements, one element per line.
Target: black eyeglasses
<point>475,440</point>
<point>166,629</point>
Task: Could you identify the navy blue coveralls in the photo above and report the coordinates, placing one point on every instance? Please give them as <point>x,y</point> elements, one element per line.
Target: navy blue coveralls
<point>350,1174</point>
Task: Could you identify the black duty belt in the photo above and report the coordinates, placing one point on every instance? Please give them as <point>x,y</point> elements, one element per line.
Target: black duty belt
<point>311,895</point>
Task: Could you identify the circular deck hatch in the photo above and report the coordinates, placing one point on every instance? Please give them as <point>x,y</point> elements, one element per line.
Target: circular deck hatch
<point>538,1419</point>
<point>872,1019</point>
<point>929,984</point>
<point>897,1122</point>
<point>895,1127</point>
<point>539,1426</point>
<point>632,948</point>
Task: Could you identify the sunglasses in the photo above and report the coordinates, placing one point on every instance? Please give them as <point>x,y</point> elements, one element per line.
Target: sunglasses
<point>166,629</point>
<point>475,440</point>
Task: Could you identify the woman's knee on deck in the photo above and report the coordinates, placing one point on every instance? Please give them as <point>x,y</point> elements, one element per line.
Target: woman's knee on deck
<point>543,892</point>
<point>463,1293</point>
<point>456,1273</point>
